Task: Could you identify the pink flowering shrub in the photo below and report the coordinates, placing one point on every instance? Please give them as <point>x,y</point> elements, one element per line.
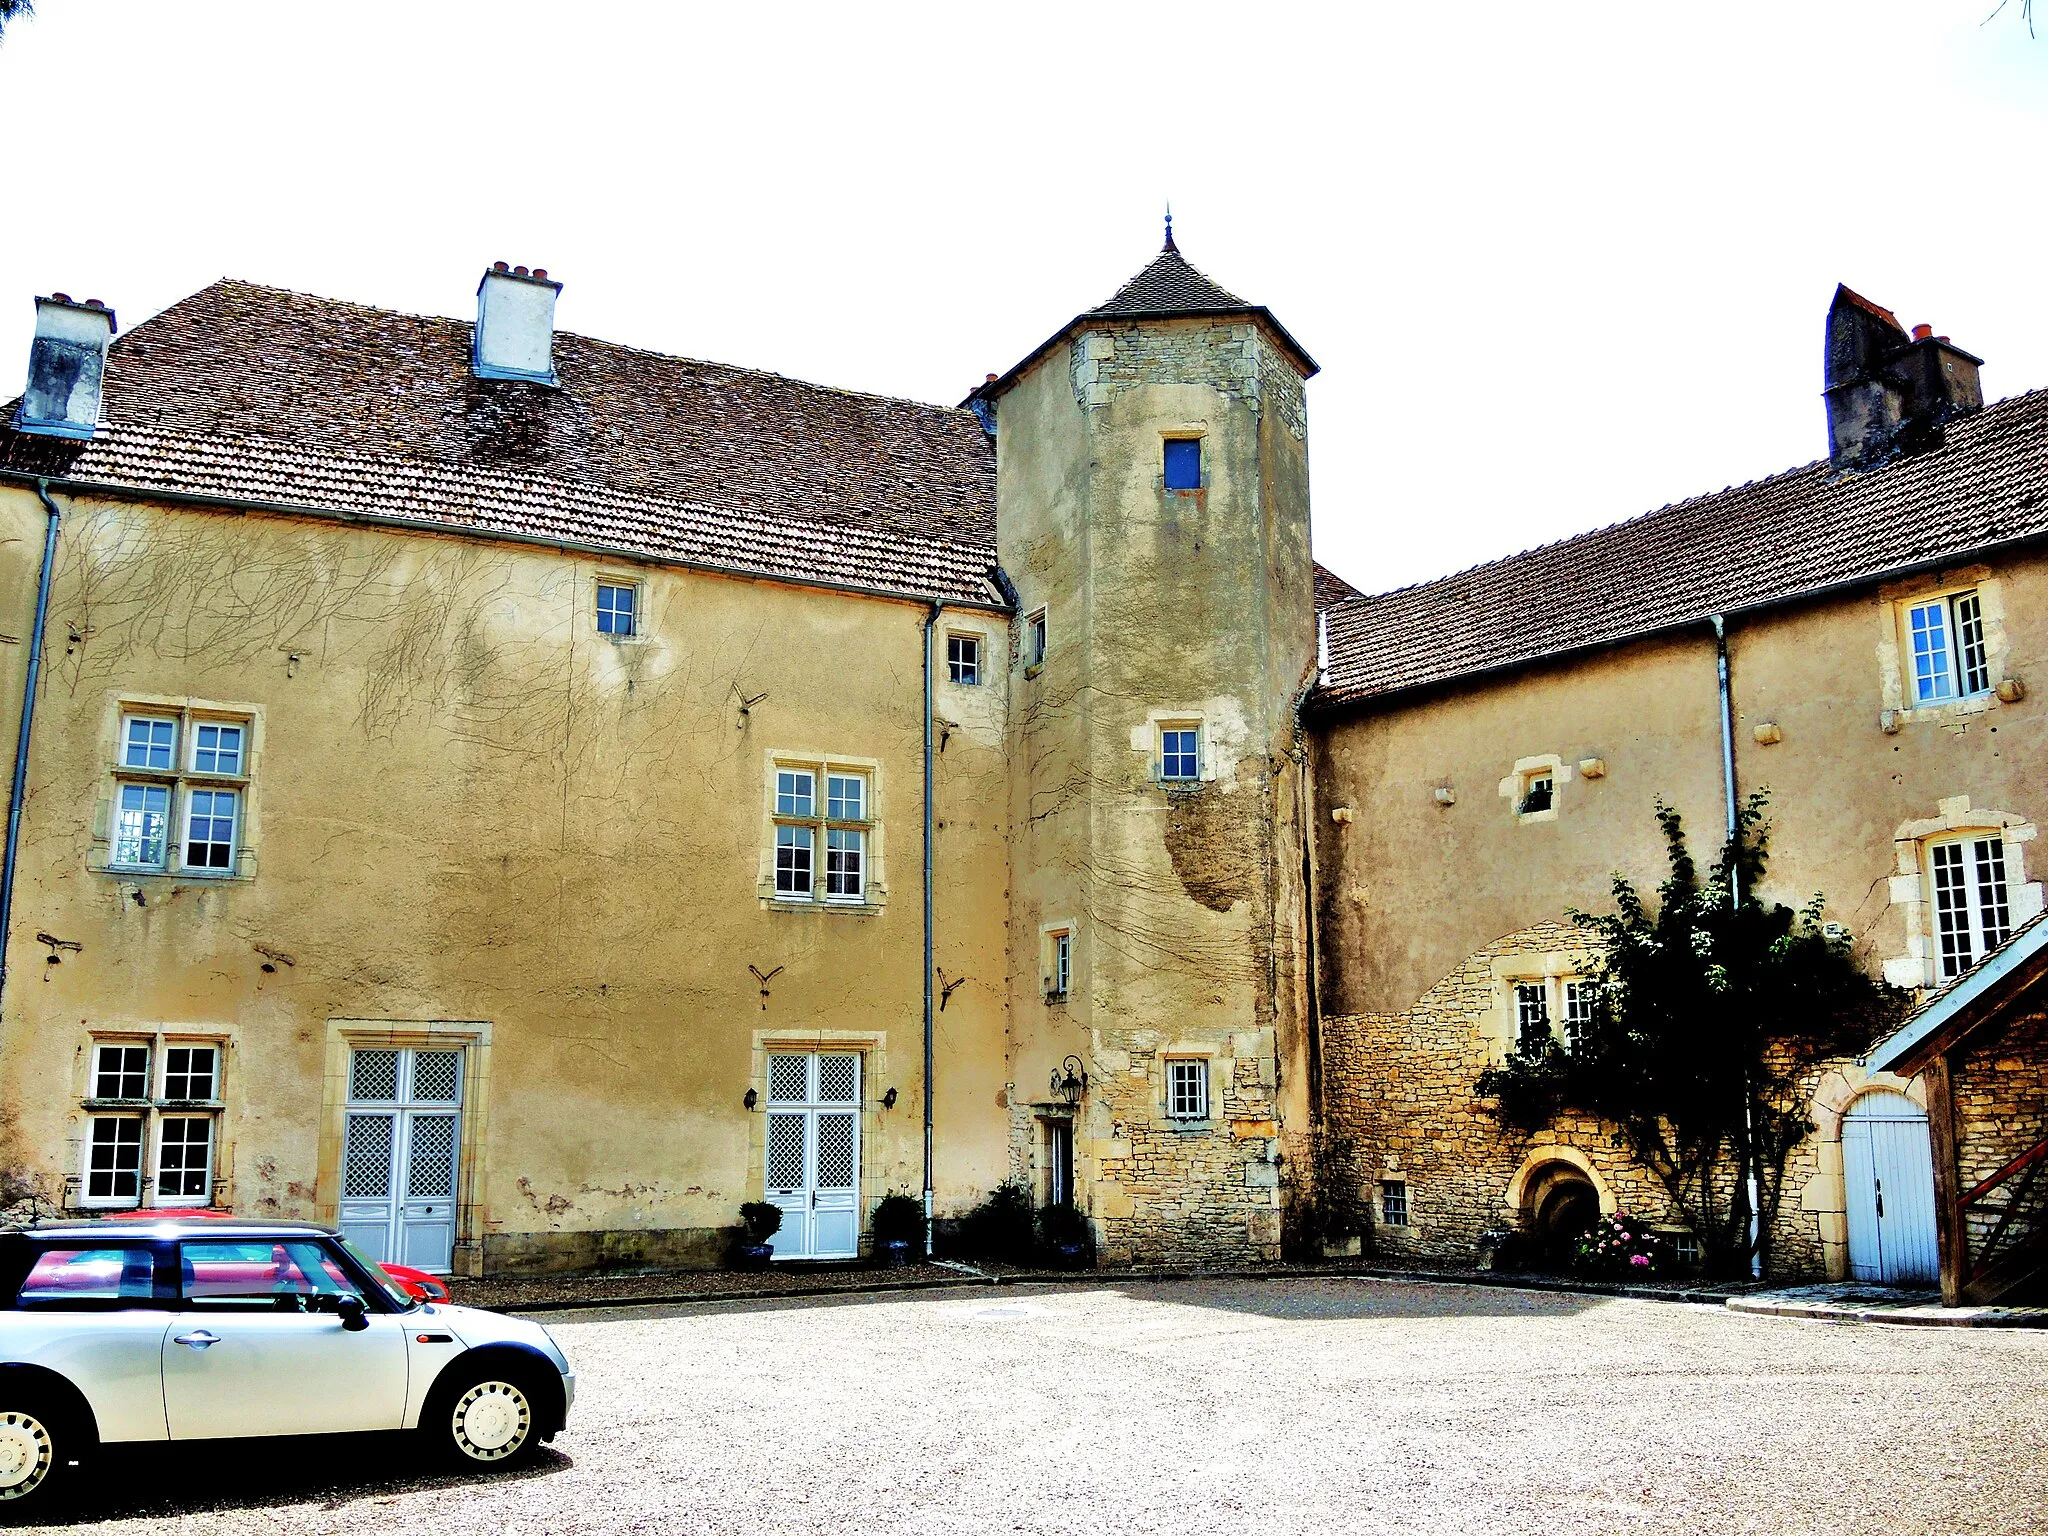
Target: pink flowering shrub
<point>1620,1247</point>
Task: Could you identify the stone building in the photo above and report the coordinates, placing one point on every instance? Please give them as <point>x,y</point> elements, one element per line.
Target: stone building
<point>519,797</point>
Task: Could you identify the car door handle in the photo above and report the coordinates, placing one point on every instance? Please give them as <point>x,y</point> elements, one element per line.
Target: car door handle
<point>197,1340</point>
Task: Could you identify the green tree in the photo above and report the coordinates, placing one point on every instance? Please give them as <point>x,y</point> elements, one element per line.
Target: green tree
<point>14,10</point>
<point>1707,1011</point>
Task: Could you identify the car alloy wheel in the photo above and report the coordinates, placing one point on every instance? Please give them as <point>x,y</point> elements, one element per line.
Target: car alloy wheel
<point>26,1454</point>
<point>493,1420</point>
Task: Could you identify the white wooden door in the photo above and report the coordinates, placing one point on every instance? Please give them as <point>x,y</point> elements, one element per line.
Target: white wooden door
<point>1888,1172</point>
<point>813,1170</point>
<point>401,1154</point>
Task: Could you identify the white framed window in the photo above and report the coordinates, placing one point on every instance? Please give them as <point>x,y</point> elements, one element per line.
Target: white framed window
<point>1034,638</point>
<point>1180,753</point>
<point>120,1071</point>
<point>190,1073</point>
<point>210,828</point>
<point>184,1160</point>
<point>149,742</point>
<point>1394,1202</point>
<point>963,660</point>
<point>217,747</point>
<point>1187,1088</point>
<point>1539,792</point>
<point>618,609</point>
<point>1579,999</point>
<point>161,1152</point>
<point>142,818</point>
<point>1532,1013</point>
<point>1972,904</point>
<point>186,756</point>
<point>113,1160</point>
<point>1059,963</point>
<point>1949,656</point>
<point>840,820</point>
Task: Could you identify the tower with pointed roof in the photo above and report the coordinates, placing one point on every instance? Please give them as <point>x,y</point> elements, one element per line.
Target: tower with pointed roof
<point>1152,510</point>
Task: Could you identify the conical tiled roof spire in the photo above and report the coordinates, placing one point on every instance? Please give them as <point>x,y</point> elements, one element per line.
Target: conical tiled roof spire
<point>1169,286</point>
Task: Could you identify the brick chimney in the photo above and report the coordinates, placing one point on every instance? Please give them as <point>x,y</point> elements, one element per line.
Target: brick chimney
<point>66,363</point>
<point>515,325</point>
<point>1889,394</point>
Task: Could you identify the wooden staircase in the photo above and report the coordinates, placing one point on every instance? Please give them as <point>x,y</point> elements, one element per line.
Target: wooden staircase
<point>2007,1218</point>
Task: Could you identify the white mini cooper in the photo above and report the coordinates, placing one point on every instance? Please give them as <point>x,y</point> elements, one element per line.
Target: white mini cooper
<point>206,1330</point>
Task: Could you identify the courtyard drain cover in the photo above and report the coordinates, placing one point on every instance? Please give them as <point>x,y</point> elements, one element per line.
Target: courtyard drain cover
<point>1014,1312</point>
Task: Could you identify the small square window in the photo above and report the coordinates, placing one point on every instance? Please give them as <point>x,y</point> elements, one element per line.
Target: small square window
<point>795,792</point>
<point>148,742</point>
<point>794,849</point>
<point>1059,963</point>
<point>216,748</point>
<point>1187,1089</point>
<point>210,829</point>
<point>188,1073</point>
<point>120,1072</point>
<point>1685,1248</point>
<point>1394,1202</point>
<point>963,660</point>
<point>1179,753</point>
<point>845,797</point>
<point>1539,793</point>
<point>616,609</point>
<point>142,816</point>
<point>1034,639</point>
<point>1183,463</point>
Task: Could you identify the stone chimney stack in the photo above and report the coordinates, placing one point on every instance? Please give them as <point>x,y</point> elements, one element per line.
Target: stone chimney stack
<point>66,363</point>
<point>515,325</point>
<point>1889,394</point>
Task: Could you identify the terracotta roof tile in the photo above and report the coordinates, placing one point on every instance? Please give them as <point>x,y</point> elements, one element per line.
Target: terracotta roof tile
<point>1797,533</point>
<point>1332,589</point>
<point>257,393</point>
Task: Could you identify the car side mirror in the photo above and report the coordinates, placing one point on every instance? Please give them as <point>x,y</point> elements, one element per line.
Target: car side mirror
<point>354,1313</point>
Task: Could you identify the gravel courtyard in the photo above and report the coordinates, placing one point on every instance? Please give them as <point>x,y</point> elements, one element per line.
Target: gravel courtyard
<point>1269,1407</point>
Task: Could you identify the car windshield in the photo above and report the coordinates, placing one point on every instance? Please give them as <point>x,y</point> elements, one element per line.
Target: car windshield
<point>401,1298</point>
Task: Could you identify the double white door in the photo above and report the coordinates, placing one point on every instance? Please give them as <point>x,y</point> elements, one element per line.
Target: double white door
<point>1888,1171</point>
<point>814,1153</point>
<point>401,1155</point>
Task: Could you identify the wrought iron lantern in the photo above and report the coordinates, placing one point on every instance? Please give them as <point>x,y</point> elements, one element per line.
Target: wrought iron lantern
<point>1069,1080</point>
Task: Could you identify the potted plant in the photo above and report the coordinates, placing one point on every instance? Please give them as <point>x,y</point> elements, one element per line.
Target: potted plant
<point>1064,1235</point>
<point>898,1229</point>
<point>762,1221</point>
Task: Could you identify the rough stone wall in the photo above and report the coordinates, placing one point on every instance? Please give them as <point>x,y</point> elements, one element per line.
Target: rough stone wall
<point>2001,1099</point>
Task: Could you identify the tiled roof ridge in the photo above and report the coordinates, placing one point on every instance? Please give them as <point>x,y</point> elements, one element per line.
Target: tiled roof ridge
<point>595,341</point>
<point>1669,508</point>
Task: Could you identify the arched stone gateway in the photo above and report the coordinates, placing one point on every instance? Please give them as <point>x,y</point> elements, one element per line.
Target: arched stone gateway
<point>1555,1196</point>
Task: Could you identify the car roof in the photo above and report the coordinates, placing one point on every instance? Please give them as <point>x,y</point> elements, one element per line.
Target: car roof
<point>175,1226</point>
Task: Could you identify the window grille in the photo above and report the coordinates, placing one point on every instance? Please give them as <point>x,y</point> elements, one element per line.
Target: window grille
<point>366,1156</point>
<point>373,1076</point>
<point>1532,1014</point>
<point>835,1151</point>
<point>1394,1202</point>
<point>1187,1085</point>
<point>838,1079</point>
<point>788,1079</point>
<point>616,605</point>
<point>963,659</point>
<point>1179,753</point>
<point>1972,906</point>
<point>1951,658</point>
<point>430,1160</point>
<point>436,1077</point>
<point>785,1151</point>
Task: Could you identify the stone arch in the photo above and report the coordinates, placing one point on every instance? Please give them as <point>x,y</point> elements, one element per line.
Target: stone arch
<point>1555,1195</point>
<point>1825,1193</point>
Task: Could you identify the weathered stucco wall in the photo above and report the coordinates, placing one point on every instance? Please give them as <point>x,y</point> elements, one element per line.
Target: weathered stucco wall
<point>467,805</point>
<point>1184,901</point>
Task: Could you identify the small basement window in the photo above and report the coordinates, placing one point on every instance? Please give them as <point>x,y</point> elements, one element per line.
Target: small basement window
<point>1394,1202</point>
<point>1183,463</point>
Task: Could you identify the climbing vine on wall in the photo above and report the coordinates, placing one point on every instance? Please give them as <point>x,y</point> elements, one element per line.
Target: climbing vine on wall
<point>1708,1009</point>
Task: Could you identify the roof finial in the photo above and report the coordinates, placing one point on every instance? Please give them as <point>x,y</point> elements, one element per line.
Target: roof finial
<point>1169,246</point>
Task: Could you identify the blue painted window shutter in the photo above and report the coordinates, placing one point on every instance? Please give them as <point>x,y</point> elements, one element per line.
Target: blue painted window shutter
<point>1183,463</point>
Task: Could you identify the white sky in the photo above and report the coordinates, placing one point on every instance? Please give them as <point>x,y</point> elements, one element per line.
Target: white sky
<point>1560,264</point>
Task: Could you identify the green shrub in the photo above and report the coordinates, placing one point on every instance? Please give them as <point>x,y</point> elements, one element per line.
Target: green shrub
<point>1063,1224</point>
<point>1000,1228</point>
<point>899,1219</point>
<point>763,1220</point>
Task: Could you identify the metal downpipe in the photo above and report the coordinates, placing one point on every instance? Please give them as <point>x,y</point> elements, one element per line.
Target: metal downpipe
<point>930,624</point>
<point>1756,1256</point>
<point>19,791</point>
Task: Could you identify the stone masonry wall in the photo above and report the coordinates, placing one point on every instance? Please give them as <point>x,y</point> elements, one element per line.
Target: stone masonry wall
<point>2001,1097</point>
